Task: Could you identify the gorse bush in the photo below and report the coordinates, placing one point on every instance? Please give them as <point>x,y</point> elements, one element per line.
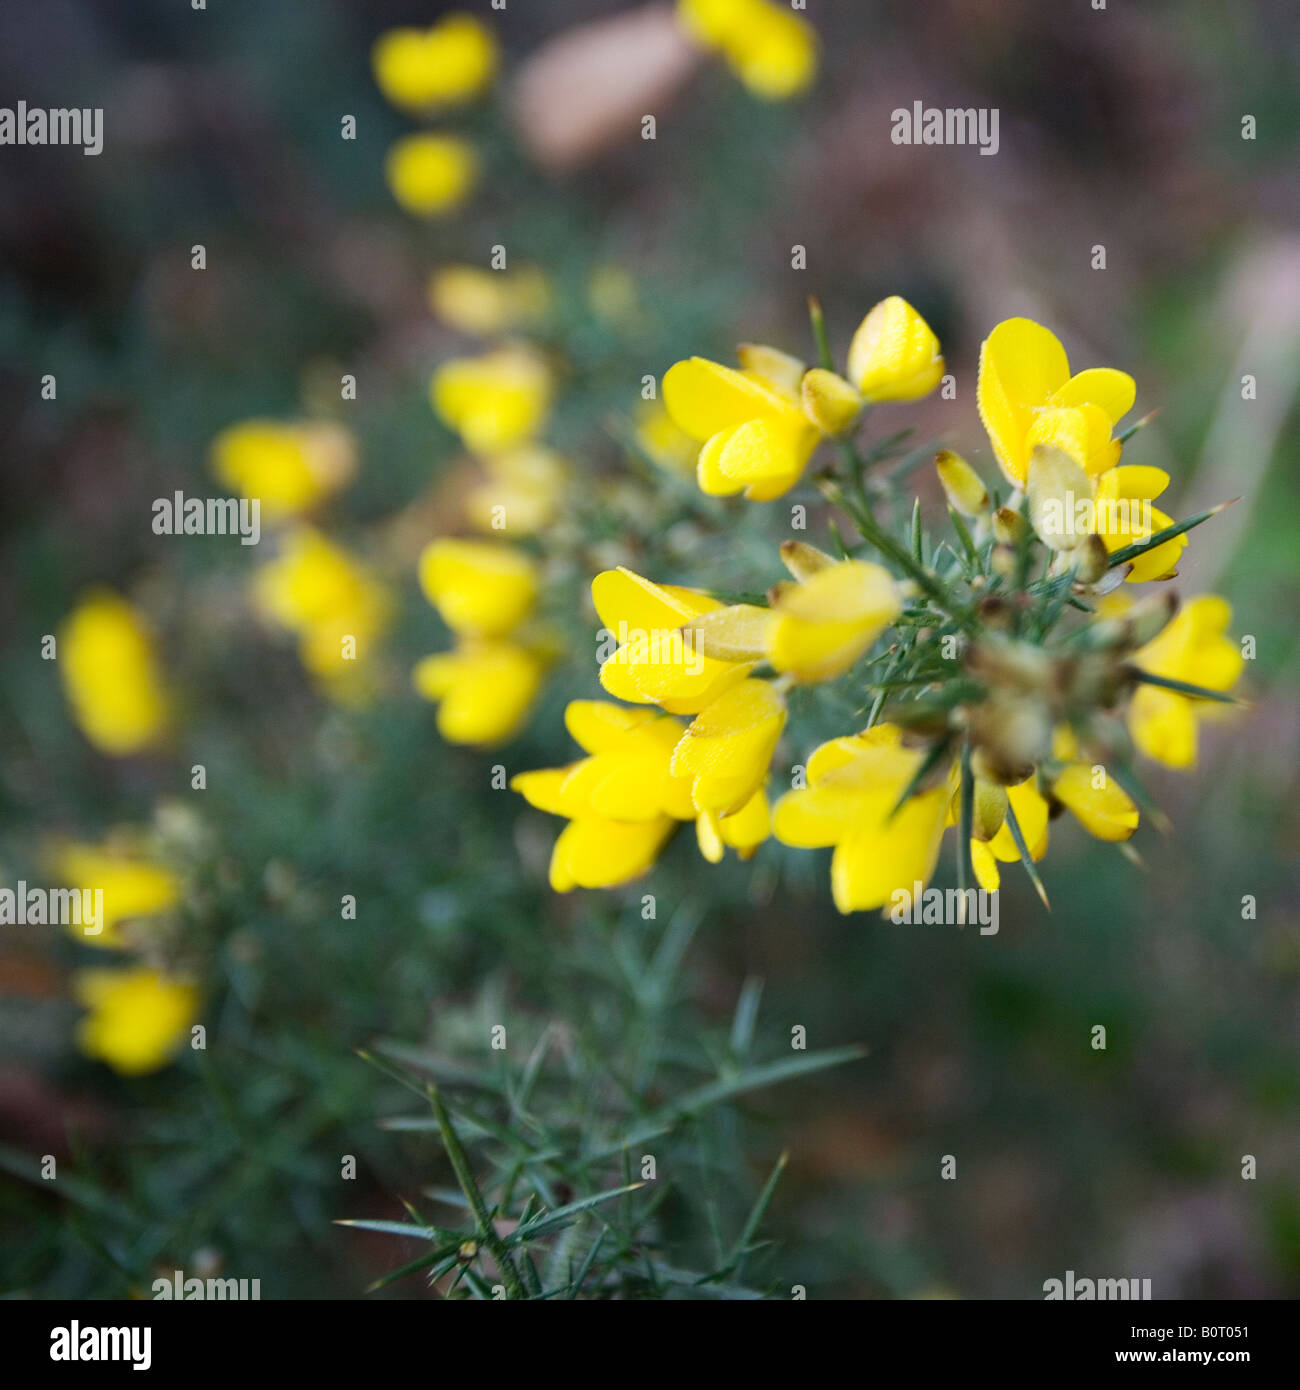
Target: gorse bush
<point>762,600</point>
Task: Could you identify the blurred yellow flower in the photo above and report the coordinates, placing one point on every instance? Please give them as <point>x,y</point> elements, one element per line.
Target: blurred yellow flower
<point>288,467</point>
<point>645,657</point>
<point>853,786</point>
<point>447,65</point>
<point>659,438</point>
<point>494,401</point>
<point>894,355</point>
<point>110,675</point>
<point>1026,396</point>
<point>756,437</point>
<point>431,175</point>
<point>521,493</point>
<point>331,600</point>
<point>484,689</point>
<point>480,589</point>
<point>622,801</point>
<point>487,302</point>
<point>1192,648</point>
<point>138,1017</point>
<point>134,886</point>
<point>771,50</point>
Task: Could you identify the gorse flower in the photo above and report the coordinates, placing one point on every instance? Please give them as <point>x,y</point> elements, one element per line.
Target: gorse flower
<point>1192,649</point>
<point>335,605</point>
<point>289,468</point>
<point>111,676</point>
<point>521,492</point>
<point>1027,396</point>
<point>137,1017</point>
<point>761,425</point>
<point>135,888</point>
<point>495,401</point>
<point>771,50</point>
<point>485,592</point>
<point>431,175</point>
<point>447,65</point>
<point>480,588</point>
<point>993,670</point>
<point>488,302</point>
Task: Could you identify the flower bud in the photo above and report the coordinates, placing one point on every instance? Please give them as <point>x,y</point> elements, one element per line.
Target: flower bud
<point>804,560</point>
<point>961,484</point>
<point>894,355</point>
<point>1008,526</point>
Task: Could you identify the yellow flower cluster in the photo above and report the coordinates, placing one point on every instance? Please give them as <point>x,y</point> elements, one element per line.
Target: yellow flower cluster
<point>485,592</point>
<point>998,724</point>
<point>760,425</point>
<point>139,1014</point>
<point>771,50</point>
<point>424,73</point>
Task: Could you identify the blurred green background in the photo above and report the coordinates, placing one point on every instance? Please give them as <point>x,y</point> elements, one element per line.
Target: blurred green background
<point>1118,128</point>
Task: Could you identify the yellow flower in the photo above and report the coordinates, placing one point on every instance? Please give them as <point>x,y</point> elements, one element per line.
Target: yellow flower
<point>487,302</point>
<point>823,625</point>
<point>484,689</point>
<point>744,831</point>
<point>1195,649</point>
<point>756,436</point>
<point>1124,515</point>
<point>724,754</point>
<point>854,783</point>
<point>816,629</point>
<point>288,468</point>
<point>521,493</point>
<point>771,50</point>
<point>659,438</point>
<point>138,1017</point>
<point>622,801</point>
<point>444,66</point>
<point>652,661</point>
<point>430,175</point>
<point>494,401</point>
<point>894,355</point>
<point>480,589</point>
<point>1027,396</point>
<point>110,675</point>
<point>133,887</point>
<point>1090,793</point>
<point>333,602</point>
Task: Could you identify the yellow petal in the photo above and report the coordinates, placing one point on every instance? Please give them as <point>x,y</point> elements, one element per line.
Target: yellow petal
<point>1021,365</point>
<point>823,626</point>
<point>704,397</point>
<point>1113,391</point>
<point>595,853</point>
<point>597,726</point>
<point>725,752</point>
<point>1106,811</point>
<point>875,860</point>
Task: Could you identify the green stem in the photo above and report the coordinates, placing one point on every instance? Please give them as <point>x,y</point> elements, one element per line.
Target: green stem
<point>465,1178</point>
